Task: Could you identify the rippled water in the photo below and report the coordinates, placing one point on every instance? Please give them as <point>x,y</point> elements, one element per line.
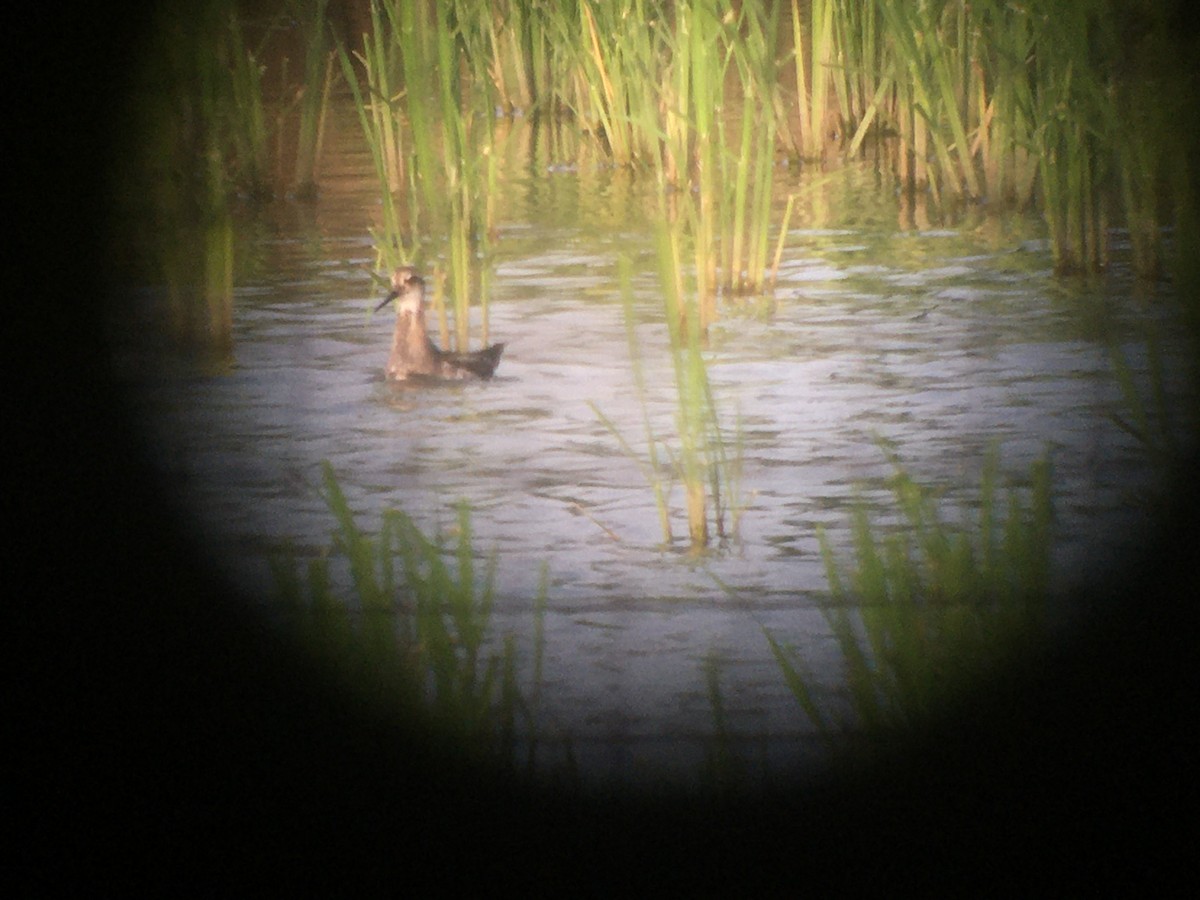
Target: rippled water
<point>940,341</point>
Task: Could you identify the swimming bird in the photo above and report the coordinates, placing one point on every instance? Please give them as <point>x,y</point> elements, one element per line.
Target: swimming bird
<point>413,353</point>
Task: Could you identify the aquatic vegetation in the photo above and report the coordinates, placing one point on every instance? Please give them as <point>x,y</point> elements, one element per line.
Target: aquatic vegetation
<point>383,129</point>
<point>1068,108</point>
<point>200,112</point>
<point>703,463</point>
<point>617,58</point>
<point>652,467</point>
<point>929,606</point>
<point>228,134</point>
<point>708,468</point>
<point>661,97</point>
<point>746,165</point>
<point>1008,103</point>
<point>211,146</point>
<point>311,96</point>
<point>813,68</point>
<point>446,168</point>
<point>421,630</point>
<point>1145,411</point>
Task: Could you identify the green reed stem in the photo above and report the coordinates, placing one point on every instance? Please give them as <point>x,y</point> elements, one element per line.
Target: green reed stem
<point>928,606</point>
<point>683,328</point>
<point>239,117</point>
<point>652,467</point>
<point>423,629</point>
<point>218,283</point>
<point>314,98</point>
<point>382,127</point>
<point>813,73</point>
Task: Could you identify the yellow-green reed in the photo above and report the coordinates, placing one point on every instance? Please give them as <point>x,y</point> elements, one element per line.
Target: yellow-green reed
<point>313,97</point>
<point>708,469</point>
<point>426,110</point>
<point>1006,105</point>
<point>521,48</point>
<point>682,127</point>
<point>1073,106</point>
<point>452,149</point>
<point>683,328</point>
<point>860,75</point>
<point>501,50</point>
<point>467,138</point>
<point>721,184</point>
<point>380,115</point>
<point>931,55</point>
<point>722,58</point>
<point>927,605</point>
<point>841,73</point>
<point>710,478</point>
<point>232,82</point>
<point>652,467</point>
<point>1066,103</point>
<point>814,56</point>
<point>746,213</point>
<point>422,629</point>
<point>618,58</point>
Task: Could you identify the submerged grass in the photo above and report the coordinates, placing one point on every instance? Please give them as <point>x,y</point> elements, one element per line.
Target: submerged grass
<point>422,630</point>
<point>929,606</point>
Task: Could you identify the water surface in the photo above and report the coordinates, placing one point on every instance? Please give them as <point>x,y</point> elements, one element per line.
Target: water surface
<point>939,341</point>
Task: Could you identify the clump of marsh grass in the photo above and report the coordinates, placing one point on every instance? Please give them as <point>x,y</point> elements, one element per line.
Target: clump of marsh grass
<point>203,155</point>
<point>654,84</point>
<point>1030,104</point>
<point>203,143</point>
<point>705,468</point>
<point>747,164</point>
<point>420,626</point>
<point>652,467</point>
<point>312,95</point>
<point>376,100</point>
<point>721,58</point>
<point>929,606</point>
<point>1010,104</point>
<point>425,109</point>
<point>702,457</point>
